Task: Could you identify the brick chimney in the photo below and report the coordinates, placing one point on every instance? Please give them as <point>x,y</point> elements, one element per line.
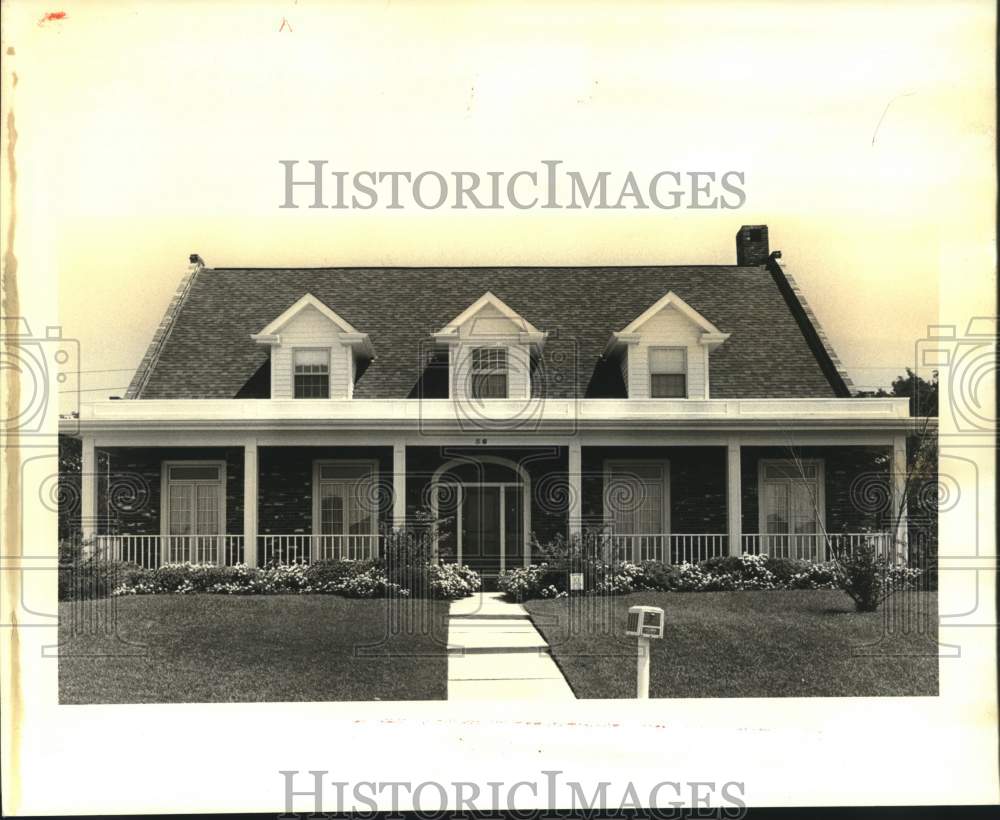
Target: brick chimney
<point>751,245</point>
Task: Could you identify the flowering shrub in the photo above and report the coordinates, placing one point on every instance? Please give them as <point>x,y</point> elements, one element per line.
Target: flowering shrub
<point>618,579</point>
<point>452,581</point>
<point>522,583</point>
<point>356,579</point>
<point>352,579</point>
<point>815,576</point>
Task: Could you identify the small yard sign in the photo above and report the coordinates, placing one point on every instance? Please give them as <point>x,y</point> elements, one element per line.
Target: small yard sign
<point>576,582</point>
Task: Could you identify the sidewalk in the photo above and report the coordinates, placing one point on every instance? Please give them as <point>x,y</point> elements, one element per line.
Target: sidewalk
<point>495,653</point>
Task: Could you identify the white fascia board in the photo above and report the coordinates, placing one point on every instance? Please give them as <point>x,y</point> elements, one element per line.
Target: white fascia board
<point>671,299</point>
<point>713,340</point>
<point>490,299</point>
<point>361,342</point>
<point>305,302</point>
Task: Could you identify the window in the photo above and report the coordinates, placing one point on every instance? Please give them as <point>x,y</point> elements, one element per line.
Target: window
<point>791,506</point>
<point>489,373</point>
<point>668,372</point>
<point>194,514</point>
<point>347,498</point>
<point>635,497</point>
<point>312,373</point>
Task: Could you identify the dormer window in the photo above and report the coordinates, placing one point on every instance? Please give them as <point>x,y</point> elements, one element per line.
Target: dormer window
<point>490,350</point>
<point>489,373</point>
<point>668,372</point>
<point>664,351</point>
<point>312,373</point>
<point>314,352</point>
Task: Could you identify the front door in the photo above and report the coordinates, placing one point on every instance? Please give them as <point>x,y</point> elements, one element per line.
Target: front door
<point>481,538</point>
<point>490,526</point>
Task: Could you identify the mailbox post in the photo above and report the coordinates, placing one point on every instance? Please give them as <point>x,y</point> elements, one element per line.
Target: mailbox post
<point>644,622</point>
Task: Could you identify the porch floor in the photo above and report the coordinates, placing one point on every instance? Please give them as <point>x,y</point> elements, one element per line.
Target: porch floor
<point>495,653</point>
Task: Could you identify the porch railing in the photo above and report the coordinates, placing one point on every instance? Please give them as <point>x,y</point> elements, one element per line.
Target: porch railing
<point>671,548</point>
<point>301,547</point>
<point>154,550</point>
<point>813,546</point>
<point>679,548</point>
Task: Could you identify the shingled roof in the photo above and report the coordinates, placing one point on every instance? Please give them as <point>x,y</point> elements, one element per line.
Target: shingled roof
<point>207,351</point>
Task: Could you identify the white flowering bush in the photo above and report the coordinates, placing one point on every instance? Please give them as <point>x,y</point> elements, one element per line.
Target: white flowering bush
<point>451,581</point>
<point>617,579</point>
<point>352,579</point>
<point>356,579</point>
<point>522,583</point>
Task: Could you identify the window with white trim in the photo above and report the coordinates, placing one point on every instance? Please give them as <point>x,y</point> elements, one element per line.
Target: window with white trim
<point>311,373</point>
<point>636,497</point>
<point>489,373</point>
<point>194,511</point>
<point>347,498</point>
<point>667,372</point>
<point>791,497</point>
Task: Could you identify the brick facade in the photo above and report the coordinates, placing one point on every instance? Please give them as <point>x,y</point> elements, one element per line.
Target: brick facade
<point>129,496</point>
<point>857,488</point>
<point>856,484</point>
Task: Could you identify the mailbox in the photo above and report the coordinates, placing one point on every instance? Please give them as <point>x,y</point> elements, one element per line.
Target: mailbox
<point>645,622</point>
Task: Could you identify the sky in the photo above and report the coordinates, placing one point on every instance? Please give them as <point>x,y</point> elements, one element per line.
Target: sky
<point>147,132</point>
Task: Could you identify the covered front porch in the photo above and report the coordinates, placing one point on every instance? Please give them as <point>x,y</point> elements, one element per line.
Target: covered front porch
<point>280,500</point>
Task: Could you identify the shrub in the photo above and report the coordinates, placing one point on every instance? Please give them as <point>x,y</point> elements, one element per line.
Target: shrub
<point>450,581</point>
<point>91,576</point>
<point>351,578</point>
<point>815,576</point>
<point>870,577</point>
<point>617,579</point>
<point>522,583</point>
<point>784,569</point>
<point>330,575</point>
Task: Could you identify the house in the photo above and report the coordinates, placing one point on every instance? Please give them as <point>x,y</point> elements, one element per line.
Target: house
<point>685,411</point>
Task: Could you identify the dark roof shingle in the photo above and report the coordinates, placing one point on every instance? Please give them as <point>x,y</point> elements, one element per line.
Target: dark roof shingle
<point>209,353</point>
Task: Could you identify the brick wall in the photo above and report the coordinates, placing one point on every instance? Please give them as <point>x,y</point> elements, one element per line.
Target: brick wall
<point>130,494</point>
<point>856,484</point>
<point>697,484</point>
<point>286,478</point>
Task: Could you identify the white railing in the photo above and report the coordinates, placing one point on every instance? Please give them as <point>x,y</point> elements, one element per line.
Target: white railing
<point>671,548</point>
<point>813,546</point>
<point>154,550</point>
<point>300,547</point>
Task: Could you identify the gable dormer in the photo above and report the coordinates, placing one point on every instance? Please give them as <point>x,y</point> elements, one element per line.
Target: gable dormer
<point>490,349</point>
<point>314,352</point>
<point>664,352</point>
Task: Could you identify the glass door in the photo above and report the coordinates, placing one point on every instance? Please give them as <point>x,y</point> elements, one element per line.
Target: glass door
<point>194,514</point>
<point>481,536</point>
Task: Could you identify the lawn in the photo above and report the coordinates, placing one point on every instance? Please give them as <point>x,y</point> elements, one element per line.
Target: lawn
<point>747,644</point>
<point>218,648</point>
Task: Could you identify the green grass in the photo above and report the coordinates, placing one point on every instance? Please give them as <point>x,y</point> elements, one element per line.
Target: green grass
<point>747,644</point>
<point>217,648</point>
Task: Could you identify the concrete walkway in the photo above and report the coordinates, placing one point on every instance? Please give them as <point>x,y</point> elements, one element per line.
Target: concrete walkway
<point>495,653</point>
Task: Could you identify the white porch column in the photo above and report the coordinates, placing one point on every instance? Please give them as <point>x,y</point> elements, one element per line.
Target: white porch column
<point>399,484</point>
<point>899,534</point>
<point>575,478</point>
<point>88,492</point>
<point>734,496</point>
<point>250,501</point>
